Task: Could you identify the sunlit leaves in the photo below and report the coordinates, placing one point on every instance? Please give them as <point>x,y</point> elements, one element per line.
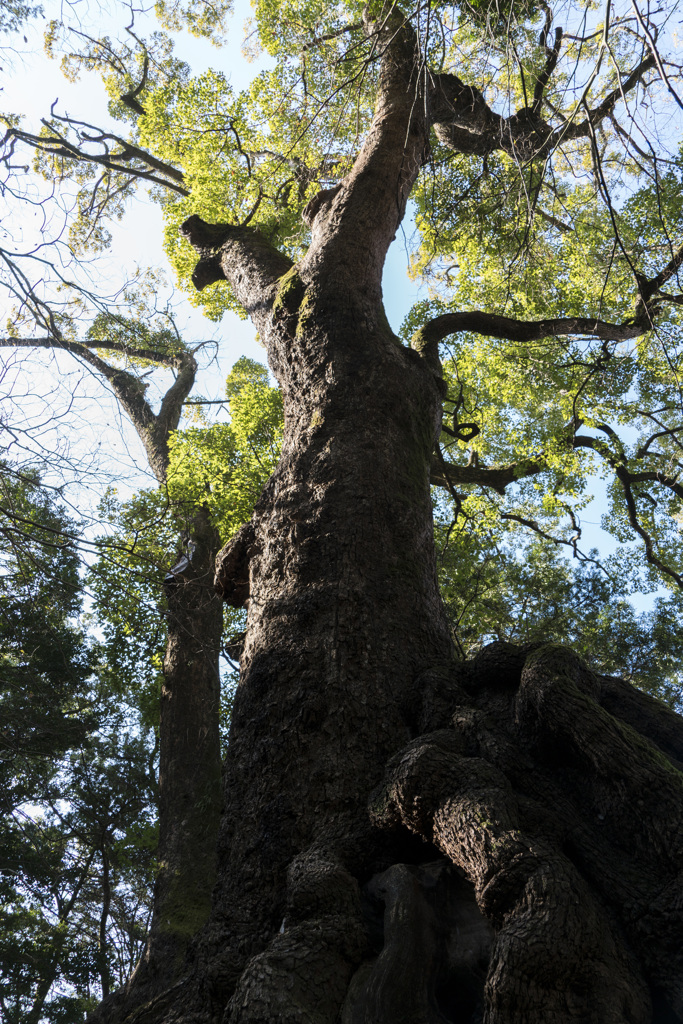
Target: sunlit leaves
<point>261,155</point>
<point>226,466</point>
<point>207,18</point>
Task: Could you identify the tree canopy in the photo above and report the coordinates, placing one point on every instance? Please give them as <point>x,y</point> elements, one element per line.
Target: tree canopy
<point>550,196</point>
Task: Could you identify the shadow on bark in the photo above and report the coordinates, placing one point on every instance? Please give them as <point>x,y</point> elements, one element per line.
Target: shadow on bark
<point>523,864</point>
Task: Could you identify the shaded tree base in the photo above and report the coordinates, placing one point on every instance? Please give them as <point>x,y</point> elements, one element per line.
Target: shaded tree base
<point>520,861</point>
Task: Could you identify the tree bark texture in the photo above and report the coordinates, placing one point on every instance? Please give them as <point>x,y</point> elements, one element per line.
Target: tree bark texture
<point>407,839</point>
<point>189,778</point>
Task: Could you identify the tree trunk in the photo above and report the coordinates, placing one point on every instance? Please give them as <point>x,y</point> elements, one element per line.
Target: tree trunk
<point>189,775</point>
<point>405,838</point>
<point>408,839</point>
<point>189,768</point>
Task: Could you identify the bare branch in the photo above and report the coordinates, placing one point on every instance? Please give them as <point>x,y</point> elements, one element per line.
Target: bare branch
<point>496,326</point>
<point>603,109</point>
<point>444,474</point>
<point>655,54</point>
<point>550,64</point>
<point>650,553</point>
<point>58,145</point>
<point>153,430</point>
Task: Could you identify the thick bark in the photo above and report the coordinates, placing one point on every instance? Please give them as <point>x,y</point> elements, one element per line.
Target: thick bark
<point>407,839</point>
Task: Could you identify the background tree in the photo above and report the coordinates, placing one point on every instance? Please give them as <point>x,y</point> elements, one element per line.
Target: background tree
<point>78,823</point>
<point>78,877</point>
<point>190,695</point>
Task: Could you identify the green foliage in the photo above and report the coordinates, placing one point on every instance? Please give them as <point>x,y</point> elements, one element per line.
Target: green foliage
<point>226,466</point>
<point>46,661</point>
<point>498,17</point>
<point>264,152</point>
<point>202,19</point>
<point>14,14</point>
<point>77,832</point>
<point>479,249</point>
<point>71,871</point>
<point>127,592</point>
<point>509,588</point>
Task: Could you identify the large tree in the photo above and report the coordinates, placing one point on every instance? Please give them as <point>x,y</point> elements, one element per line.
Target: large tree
<point>407,836</point>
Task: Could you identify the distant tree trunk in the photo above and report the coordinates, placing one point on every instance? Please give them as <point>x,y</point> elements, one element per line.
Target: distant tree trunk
<point>189,744</point>
<point>189,774</point>
<point>189,768</point>
<point>408,839</point>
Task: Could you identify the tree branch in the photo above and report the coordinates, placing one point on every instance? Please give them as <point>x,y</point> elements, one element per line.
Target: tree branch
<point>443,474</point>
<point>650,554</point>
<point>464,122</point>
<point>165,358</point>
<point>153,430</point>
<point>495,326</point>
<point>654,53</point>
<point>130,98</point>
<point>596,115</point>
<point>626,478</point>
<point>550,64</point>
<point>356,26</point>
<point>353,224</point>
<point>59,146</point>
<point>650,286</point>
<point>241,256</point>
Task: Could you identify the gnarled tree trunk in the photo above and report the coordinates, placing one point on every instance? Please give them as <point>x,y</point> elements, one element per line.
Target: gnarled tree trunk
<point>407,839</point>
